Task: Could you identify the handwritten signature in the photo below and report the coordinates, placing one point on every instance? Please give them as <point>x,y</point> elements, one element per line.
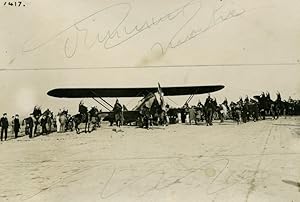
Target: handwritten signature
<point>159,178</point>
<point>192,19</point>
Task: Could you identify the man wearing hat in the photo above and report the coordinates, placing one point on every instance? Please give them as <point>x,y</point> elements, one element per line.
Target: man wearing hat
<point>4,126</point>
<point>30,125</point>
<point>209,110</point>
<point>17,125</point>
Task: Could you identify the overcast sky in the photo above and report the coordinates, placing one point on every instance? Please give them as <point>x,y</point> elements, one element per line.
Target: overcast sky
<point>248,46</point>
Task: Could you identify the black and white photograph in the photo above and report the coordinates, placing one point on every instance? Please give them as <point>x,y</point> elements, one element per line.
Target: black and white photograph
<point>150,101</point>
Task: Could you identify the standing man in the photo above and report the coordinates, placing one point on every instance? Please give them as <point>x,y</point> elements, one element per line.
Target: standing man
<point>30,125</point>
<point>246,109</point>
<point>184,111</point>
<point>43,124</point>
<point>37,113</point>
<point>62,122</point>
<point>238,111</point>
<point>17,125</point>
<point>263,104</point>
<point>118,113</point>
<point>12,124</point>
<point>4,126</point>
<point>192,115</point>
<point>209,106</point>
<point>167,118</point>
<point>57,121</point>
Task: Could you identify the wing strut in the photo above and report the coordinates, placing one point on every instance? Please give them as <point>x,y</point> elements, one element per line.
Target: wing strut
<point>190,98</point>
<point>105,102</point>
<point>172,101</point>
<point>101,104</point>
<point>102,99</point>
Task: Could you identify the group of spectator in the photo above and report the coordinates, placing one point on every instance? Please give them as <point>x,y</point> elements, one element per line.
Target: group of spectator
<point>4,124</point>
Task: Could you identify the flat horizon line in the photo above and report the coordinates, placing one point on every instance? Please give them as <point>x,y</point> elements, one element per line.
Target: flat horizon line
<point>150,66</point>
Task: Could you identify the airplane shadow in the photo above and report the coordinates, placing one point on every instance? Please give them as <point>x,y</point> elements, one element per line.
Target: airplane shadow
<point>290,182</point>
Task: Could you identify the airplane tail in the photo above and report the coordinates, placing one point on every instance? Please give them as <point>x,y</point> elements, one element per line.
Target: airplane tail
<point>146,101</point>
<point>149,99</point>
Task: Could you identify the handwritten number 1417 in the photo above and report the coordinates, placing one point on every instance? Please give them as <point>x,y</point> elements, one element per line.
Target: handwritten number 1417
<point>14,3</point>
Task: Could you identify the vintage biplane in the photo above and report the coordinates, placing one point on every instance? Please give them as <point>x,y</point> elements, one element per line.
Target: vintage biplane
<point>148,95</point>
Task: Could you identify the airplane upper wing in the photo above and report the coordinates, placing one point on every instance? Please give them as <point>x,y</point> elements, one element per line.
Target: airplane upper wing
<point>130,92</point>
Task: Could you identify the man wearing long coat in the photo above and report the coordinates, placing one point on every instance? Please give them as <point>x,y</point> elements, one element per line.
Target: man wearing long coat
<point>4,126</point>
<point>209,110</point>
<point>17,125</point>
<point>118,113</point>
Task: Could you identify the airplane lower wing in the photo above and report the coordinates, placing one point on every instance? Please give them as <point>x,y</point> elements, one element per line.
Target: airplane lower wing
<point>130,92</point>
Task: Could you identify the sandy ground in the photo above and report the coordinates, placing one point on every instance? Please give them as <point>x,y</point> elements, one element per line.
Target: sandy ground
<point>250,162</point>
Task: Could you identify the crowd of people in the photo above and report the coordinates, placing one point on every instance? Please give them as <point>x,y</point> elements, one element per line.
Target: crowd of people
<point>151,112</point>
<point>241,111</point>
